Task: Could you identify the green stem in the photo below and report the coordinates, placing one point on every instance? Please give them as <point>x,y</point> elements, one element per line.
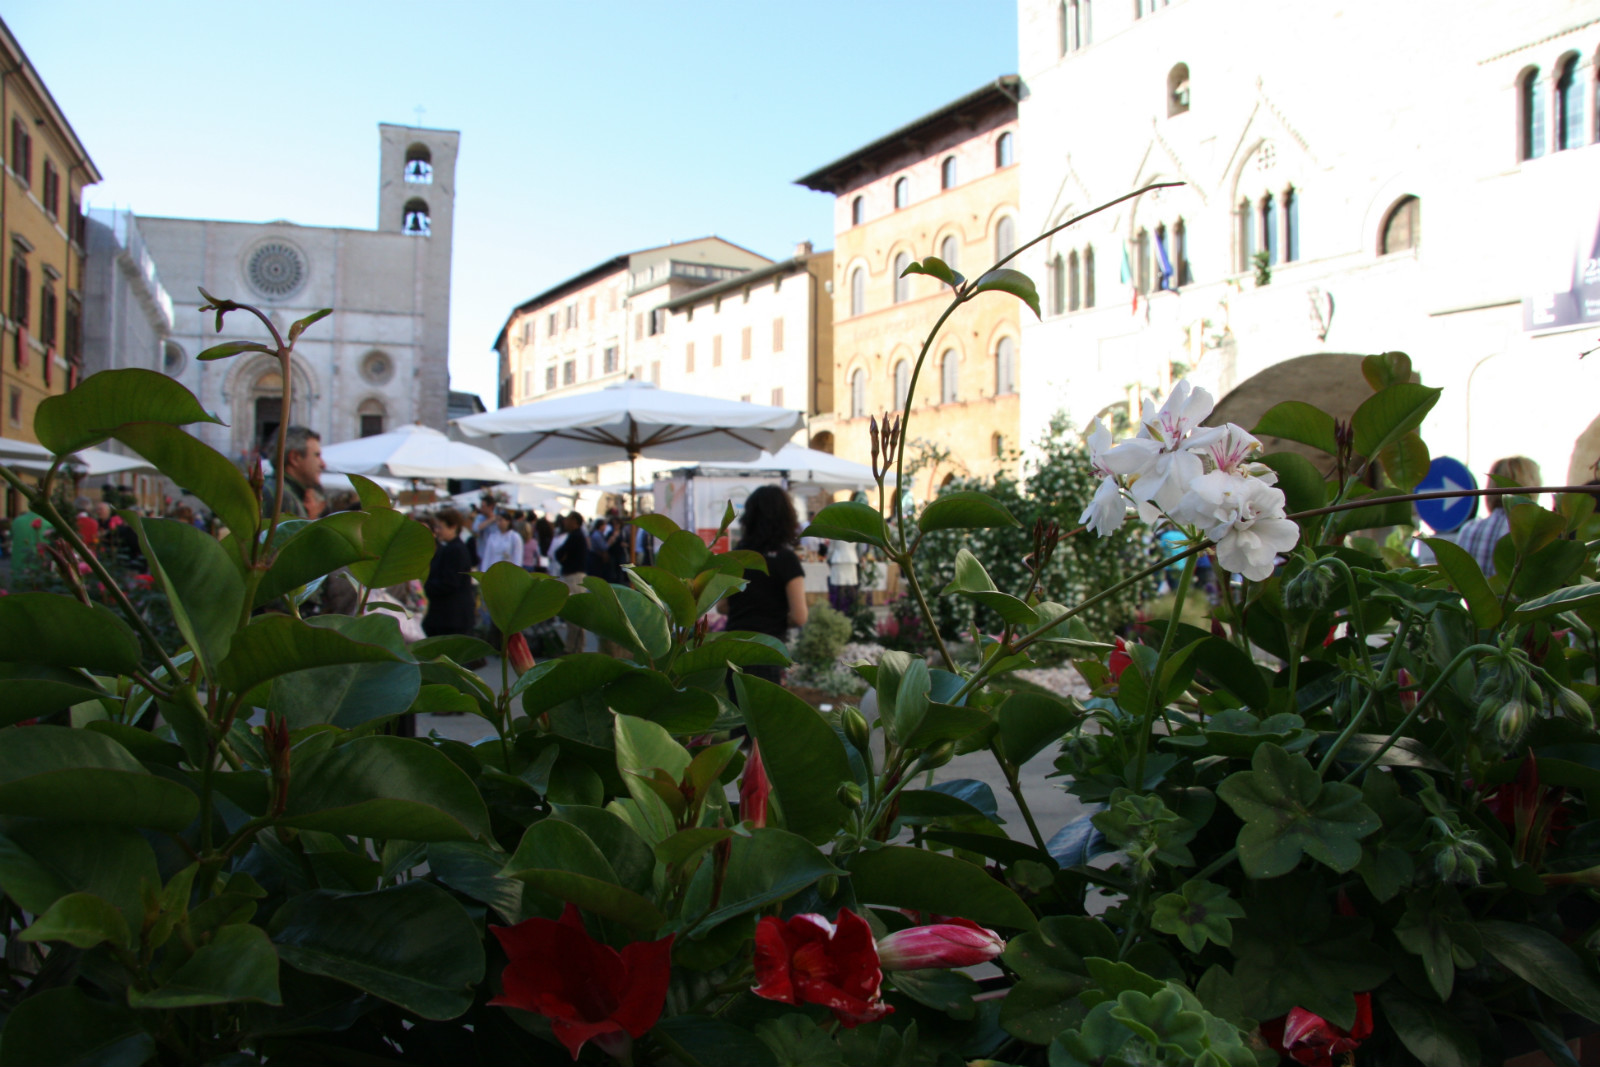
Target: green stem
<point>1014,785</point>
<point>927,612</point>
<point>1217,864</point>
<point>1389,662</point>
<point>675,1050</point>
<point>1411,716</point>
<point>1357,624</point>
<point>1153,698</point>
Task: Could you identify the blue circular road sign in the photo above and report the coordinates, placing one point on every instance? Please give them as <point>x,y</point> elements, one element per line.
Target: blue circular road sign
<point>1445,514</point>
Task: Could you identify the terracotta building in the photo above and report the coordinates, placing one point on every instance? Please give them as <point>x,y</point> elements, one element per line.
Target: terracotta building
<point>945,185</point>
<point>46,168</point>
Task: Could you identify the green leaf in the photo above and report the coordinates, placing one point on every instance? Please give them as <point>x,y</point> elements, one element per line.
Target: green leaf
<point>1462,569</point>
<point>1030,722</point>
<point>965,510</point>
<point>558,858</point>
<point>1406,461</point>
<point>947,722</point>
<point>683,553</point>
<point>672,591</point>
<point>804,757</point>
<point>766,867</point>
<point>1232,669</point>
<point>33,690</point>
<point>239,964</point>
<point>1386,370</point>
<point>1295,420</point>
<point>658,526</point>
<point>461,648</point>
<point>1197,913</point>
<point>1289,811</point>
<point>602,610</point>
<point>314,549</point>
<point>720,651</point>
<point>901,877</point>
<point>950,992</point>
<point>55,772</point>
<point>1301,482</point>
<point>412,945</point>
<point>204,589</point>
<point>198,468</point>
<point>64,1027</point>
<point>57,631</point>
<point>631,859</point>
<point>231,348</point>
<point>1572,598</point>
<point>474,869</point>
<point>401,549</point>
<point>1388,415</point>
<point>373,498</point>
<point>1544,963</point>
<point>82,920</point>
<point>1439,931</point>
<point>1532,527</point>
<point>1429,1032</point>
<point>849,521</point>
<point>299,326</point>
<point>275,645</point>
<point>43,861</point>
<point>934,267</point>
<point>350,695</point>
<point>102,402</point>
<point>1006,280</point>
<point>517,599</point>
<point>904,686</point>
<point>554,682</point>
<point>385,787</point>
<point>1291,952</point>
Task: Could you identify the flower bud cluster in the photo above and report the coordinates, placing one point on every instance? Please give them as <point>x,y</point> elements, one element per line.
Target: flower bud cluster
<point>1201,476</point>
<point>1511,690</point>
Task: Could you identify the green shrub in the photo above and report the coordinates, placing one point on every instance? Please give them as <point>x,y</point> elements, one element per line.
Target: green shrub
<point>824,635</point>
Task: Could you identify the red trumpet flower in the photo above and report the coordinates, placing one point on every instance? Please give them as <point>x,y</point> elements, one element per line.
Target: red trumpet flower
<point>518,653</point>
<point>952,943</point>
<point>1119,661</point>
<point>754,789</point>
<point>587,990</point>
<point>1314,1041</point>
<point>809,960</point>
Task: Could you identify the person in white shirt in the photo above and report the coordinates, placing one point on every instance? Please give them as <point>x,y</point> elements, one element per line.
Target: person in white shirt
<point>501,543</point>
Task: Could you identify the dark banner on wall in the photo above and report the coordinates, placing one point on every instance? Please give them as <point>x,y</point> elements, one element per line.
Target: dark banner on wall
<point>1580,303</point>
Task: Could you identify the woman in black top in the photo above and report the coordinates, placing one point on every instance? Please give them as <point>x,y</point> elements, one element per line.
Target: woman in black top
<point>452,603</point>
<point>774,601</point>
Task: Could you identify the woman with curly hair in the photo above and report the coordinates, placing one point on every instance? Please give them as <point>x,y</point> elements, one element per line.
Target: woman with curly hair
<point>776,600</point>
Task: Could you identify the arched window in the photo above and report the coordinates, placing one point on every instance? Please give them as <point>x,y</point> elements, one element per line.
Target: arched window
<point>1074,25</point>
<point>1141,261</point>
<point>902,283</point>
<point>1004,150</point>
<point>1402,227</point>
<point>1291,224</point>
<point>858,291</point>
<point>419,165</point>
<point>1247,234</point>
<point>1178,90</point>
<point>947,173</point>
<point>369,417</point>
<point>1058,284</point>
<point>902,193</point>
<point>1005,367</point>
<point>950,252</point>
<point>1088,277</point>
<point>1005,237</point>
<point>997,445</point>
<point>414,218</point>
<point>949,377</point>
<point>1530,96</point>
<point>1180,253</point>
<point>1166,277</point>
<point>1269,227</point>
<point>858,393</point>
<point>902,383</point>
<point>1073,281</point>
<point>858,212</point>
<point>1569,105</point>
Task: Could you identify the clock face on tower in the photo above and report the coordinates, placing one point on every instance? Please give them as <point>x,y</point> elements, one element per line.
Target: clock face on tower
<point>419,171</point>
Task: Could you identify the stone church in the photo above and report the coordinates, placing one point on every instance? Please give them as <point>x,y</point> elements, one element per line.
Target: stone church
<point>380,361</point>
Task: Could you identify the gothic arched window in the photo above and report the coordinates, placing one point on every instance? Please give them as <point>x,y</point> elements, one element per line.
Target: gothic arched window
<point>1088,277</point>
<point>1530,99</point>
<point>949,251</point>
<point>902,283</point>
<point>1402,227</point>
<point>949,376</point>
<point>947,173</point>
<point>858,212</point>
<point>1005,150</point>
<point>1569,105</point>
<point>1005,237</point>
<point>1005,367</point>
<point>1178,90</point>
<point>419,165</point>
<point>902,193</point>
<point>415,220</point>
<point>858,394</point>
<point>902,383</point>
<point>858,291</point>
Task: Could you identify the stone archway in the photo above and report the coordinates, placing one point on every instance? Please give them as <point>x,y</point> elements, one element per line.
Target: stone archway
<point>256,389</point>
<point>1330,380</point>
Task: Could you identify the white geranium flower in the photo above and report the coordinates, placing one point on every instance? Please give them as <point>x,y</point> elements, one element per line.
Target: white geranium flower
<point>1176,424</point>
<point>1232,451</point>
<point>1108,510</point>
<point>1125,460</point>
<point>1244,516</point>
<point>1160,486</point>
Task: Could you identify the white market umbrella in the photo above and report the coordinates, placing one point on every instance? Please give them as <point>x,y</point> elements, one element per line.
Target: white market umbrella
<point>416,452</point>
<point>97,461</point>
<point>25,455</point>
<point>803,466</point>
<point>626,421</point>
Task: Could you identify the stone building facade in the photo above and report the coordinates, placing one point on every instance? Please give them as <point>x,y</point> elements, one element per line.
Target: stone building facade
<point>46,169</point>
<point>945,185</point>
<point>380,361</point>
<point>1324,162</point>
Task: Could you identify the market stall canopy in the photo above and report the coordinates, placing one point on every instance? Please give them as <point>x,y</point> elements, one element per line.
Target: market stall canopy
<point>417,452</point>
<point>88,462</point>
<point>25,455</point>
<point>801,466</point>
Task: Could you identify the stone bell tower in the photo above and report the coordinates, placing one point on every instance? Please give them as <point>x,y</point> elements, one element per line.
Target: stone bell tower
<point>416,198</point>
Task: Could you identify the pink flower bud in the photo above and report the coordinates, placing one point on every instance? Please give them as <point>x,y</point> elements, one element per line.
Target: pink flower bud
<point>517,651</point>
<point>957,943</point>
<point>754,789</point>
<point>83,568</point>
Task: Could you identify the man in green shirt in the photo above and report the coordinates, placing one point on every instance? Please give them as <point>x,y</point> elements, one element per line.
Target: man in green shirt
<point>27,534</point>
<point>302,469</point>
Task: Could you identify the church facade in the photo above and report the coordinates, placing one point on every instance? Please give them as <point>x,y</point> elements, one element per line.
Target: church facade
<point>380,361</point>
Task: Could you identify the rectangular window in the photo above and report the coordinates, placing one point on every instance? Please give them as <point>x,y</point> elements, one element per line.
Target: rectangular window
<point>658,321</point>
<point>745,399</point>
<point>638,327</point>
<point>14,406</point>
<point>688,358</point>
<point>569,372</point>
<point>549,378</point>
<point>777,397</point>
<point>611,359</point>
<point>777,335</point>
<point>744,343</point>
<point>716,351</point>
<point>655,372</point>
<point>20,280</point>
<point>591,309</point>
<point>74,332</point>
<point>51,189</point>
<point>47,315</point>
<point>527,382</point>
<point>21,152</point>
<point>371,425</point>
<point>550,330</point>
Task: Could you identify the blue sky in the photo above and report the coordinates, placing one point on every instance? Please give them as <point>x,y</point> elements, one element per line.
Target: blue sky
<point>587,129</point>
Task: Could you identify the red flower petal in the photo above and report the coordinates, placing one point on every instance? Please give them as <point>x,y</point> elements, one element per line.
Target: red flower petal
<point>809,960</point>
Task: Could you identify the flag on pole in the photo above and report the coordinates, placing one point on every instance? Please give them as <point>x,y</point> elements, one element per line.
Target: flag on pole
<point>1127,277</point>
<point>1167,273</point>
